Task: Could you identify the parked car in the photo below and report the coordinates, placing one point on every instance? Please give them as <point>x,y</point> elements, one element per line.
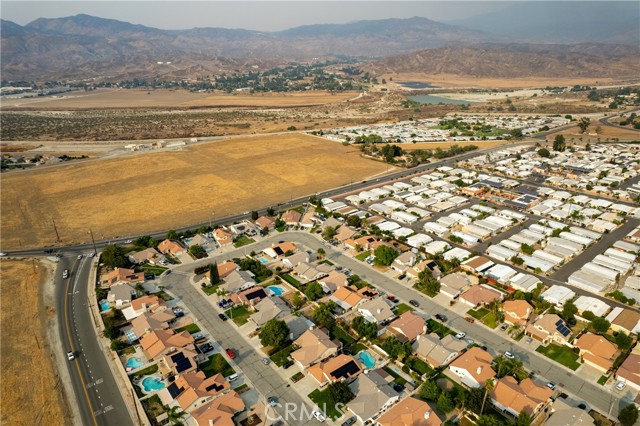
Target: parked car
<point>484,348</point>
<point>460,335</point>
<point>551,385</point>
<point>92,254</point>
<point>230,352</point>
<point>266,361</point>
<point>65,274</point>
<point>621,385</point>
<point>79,256</point>
<point>207,347</point>
<point>469,319</point>
<point>529,340</point>
<point>398,387</point>
<point>469,341</point>
<point>287,364</point>
<point>273,401</point>
<point>350,421</point>
<point>441,317</point>
<point>223,317</point>
<point>509,355</point>
<point>504,326</point>
<point>414,303</point>
<point>70,356</point>
<point>319,415</point>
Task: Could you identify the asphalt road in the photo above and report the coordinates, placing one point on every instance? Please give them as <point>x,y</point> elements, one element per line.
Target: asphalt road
<point>595,395</point>
<point>97,394</point>
<point>248,361</point>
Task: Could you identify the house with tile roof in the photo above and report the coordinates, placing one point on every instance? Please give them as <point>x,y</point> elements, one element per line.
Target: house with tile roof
<point>315,346</point>
<point>280,250</point>
<point>473,367</point>
<point>567,415</point>
<point>438,352</point>
<point>517,312</point>
<point>549,328</point>
<point>148,303</point>
<point>121,275</point>
<point>629,370</point>
<point>596,351</point>
<point>121,295</point>
<point>159,342</point>
<point>374,394</point>
<point>347,298</point>
<point>250,296</point>
<point>179,361</point>
<point>149,255</point>
<point>192,390</point>
<point>174,248</point>
<point>513,397</point>
<point>269,308</point>
<point>223,237</point>
<point>224,269</point>
<point>149,321</point>
<point>266,222</point>
<point>220,411</point>
<point>333,281</point>
<point>623,319</point>
<point>237,281</point>
<point>377,310</point>
<point>291,217</point>
<point>341,368</point>
<point>407,327</point>
<point>410,412</point>
<point>480,295</point>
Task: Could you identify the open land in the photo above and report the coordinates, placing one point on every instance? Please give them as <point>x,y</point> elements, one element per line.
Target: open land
<point>27,398</point>
<point>144,193</point>
<point>604,133</point>
<point>447,145</point>
<point>131,98</point>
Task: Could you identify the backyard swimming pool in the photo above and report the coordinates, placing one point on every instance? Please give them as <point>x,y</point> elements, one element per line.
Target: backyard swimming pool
<point>151,384</point>
<point>264,260</point>
<point>104,305</point>
<point>366,358</point>
<point>134,363</point>
<point>275,290</point>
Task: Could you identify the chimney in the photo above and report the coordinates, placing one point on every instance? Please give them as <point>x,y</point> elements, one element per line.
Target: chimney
<point>379,310</point>
<point>427,414</point>
<point>478,370</point>
<point>211,422</point>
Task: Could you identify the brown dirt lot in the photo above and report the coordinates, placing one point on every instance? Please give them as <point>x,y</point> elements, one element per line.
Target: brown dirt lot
<point>606,132</point>
<point>447,145</point>
<point>129,98</point>
<point>447,80</point>
<point>150,192</point>
<point>31,392</point>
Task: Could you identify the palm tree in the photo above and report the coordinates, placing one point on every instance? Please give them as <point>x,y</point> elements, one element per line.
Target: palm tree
<point>488,387</point>
<point>514,330</point>
<point>173,415</point>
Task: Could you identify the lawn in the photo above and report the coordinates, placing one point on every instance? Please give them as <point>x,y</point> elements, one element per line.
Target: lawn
<point>327,262</point>
<point>239,314</point>
<point>211,289</point>
<point>560,354</point>
<point>243,240</point>
<point>280,357</point>
<point>478,313</point>
<point>418,366</point>
<point>216,364</point>
<point>326,404</point>
<point>357,348</point>
<point>362,256</point>
<point>151,269</point>
<point>288,278</point>
<point>297,377</point>
<point>402,308</point>
<point>338,333</point>
<point>152,406</point>
<point>163,295</point>
<point>490,320</point>
<point>397,379</point>
<point>603,379</point>
<point>191,328</point>
<point>149,370</point>
<point>440,329</point>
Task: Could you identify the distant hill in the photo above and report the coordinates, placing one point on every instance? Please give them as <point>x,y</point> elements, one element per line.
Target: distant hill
<point>518,60</point>
<point>561,22</point>
<point>84,46</point>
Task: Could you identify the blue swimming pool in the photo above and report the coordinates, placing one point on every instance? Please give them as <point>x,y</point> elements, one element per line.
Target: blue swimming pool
<point>366,358</point>
<point>104,305</point>
<point>275,290</point>
<point>263,260</point>
<point>151,384</point>
<point>134,363</point>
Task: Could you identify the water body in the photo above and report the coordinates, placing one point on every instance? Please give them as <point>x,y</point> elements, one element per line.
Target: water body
<point>431,100</point>
<point>416,85</point>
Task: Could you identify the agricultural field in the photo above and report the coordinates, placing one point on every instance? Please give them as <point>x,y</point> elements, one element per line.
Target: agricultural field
<point>132,98</point>
<point>27,398</point>
<point>143,193</point>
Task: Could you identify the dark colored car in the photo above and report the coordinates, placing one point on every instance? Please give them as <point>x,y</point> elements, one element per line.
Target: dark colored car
<point>223,317</point>
<point>398,387</point>
<point>441,317</point>
<point>287,364</point>
<point>414,303</point>
<point>350,421</point>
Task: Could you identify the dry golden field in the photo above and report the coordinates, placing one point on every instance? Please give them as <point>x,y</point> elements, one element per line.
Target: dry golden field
<point>156,191</point>
<point>31,391</point>
<point>447,145</point>
<point>449,80</point>
<point>130,98</point>
<point>605,132</point>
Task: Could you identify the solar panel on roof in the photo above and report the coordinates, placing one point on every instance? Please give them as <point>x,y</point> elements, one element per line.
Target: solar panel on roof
<point>183,365</point>
<point>215,386</point>
<point>559,322</point>
<point>174,390</point>
<point>347,370</point>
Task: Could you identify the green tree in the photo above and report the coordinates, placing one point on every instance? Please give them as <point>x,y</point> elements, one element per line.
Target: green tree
<point>115,257</point>
<point>354,221</point>
<point>559,143</point>
<point>364,329</point>
<point>523,419</point>
<point>297,301</point>
<point>429,390</point>
<point>488,387</point>
<point>516,260</point>
<point>314,291</point>
<point>254,215</point>
<point>445,402</point>
<point>623,340</point>
<point>584,124</point>
<point>340,392</point>
<point>491,420</point>
<point>321,252</point>
<point>526,248</point>
<point>385,255</point>
<point>172,234</point>
<point>505,366</point>
<point>111,331</point>
<point>600,325</point>
<point>214,275</point>
<point>329,232</point>
<point>274,333</point>
<point>569,310</point>
<point>428,283</point>
<point>544,152</point>
<point>628,415</point>
<point>395,348</point>
<point>174,414</point>
<point>323,315</point>
<point>197,251</point>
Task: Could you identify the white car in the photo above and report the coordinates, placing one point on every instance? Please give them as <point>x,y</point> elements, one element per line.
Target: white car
<point>3,254</point>
<point>621,385</point>
<point>79,256</point>
<point>319,415</point>
<point>70,356</point>
<point>460,335</point>
<point>509,355</point>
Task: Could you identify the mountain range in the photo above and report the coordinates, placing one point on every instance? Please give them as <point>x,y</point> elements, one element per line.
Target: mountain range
<point>85,47</point>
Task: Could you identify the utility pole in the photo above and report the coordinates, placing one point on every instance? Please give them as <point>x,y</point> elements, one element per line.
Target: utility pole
<point>55,228</point>
<point>95,251</point>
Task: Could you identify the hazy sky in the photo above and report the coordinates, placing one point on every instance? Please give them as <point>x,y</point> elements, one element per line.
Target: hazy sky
<point>254,15</point>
